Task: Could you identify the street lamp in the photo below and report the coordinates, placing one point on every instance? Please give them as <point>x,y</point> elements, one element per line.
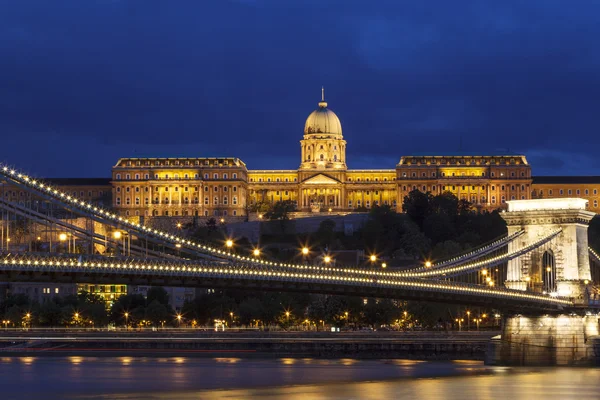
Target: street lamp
<point>117,235</point>
<point>327,259</point>
<point>256,252</point>
<point>222,220</point>
<point>428,264</point>
<point>229,243</point>
<point>468,320</point>
<point>178,320</point>
<point>287,316</point>
<point>126,321</point>
<point>305,251</point>
<point>373,258</point>
<point>179,225</point>
<point>383,265</point>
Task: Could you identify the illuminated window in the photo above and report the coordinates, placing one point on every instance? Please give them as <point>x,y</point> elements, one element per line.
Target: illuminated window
<point>56,290</point>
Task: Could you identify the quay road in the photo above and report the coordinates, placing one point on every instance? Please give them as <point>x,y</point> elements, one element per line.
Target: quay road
<point>183,343</point>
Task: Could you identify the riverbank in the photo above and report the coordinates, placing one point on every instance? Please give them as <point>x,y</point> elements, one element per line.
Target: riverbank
<point>399,345</point>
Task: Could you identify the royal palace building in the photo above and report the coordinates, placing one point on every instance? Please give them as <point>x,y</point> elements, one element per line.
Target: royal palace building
<point>225,187</point>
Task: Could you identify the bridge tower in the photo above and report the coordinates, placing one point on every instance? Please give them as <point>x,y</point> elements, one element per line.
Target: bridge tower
<point>562,265</point>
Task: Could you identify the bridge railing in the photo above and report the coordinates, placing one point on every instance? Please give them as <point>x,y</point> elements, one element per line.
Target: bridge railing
<point>209,269</point>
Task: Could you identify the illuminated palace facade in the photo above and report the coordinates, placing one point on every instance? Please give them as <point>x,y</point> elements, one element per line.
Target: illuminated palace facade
<point>225,188</point>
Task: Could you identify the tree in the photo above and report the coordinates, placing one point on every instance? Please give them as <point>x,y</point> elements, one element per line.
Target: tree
<point>128,303</point>
<point>157,313</point>
<point>381,312</point>
<point>250,310</point>
<point>325,235</point>
<point>50,314</point>
<point>280,211</point>
<point>417,205</point>
<point>157,293</point>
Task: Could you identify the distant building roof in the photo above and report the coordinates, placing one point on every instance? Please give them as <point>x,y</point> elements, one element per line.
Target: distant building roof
<point>466,160</point>
<point>79,181</point>
<point>565,179</point>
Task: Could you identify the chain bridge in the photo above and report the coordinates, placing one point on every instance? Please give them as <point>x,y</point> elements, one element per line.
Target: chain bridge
<point>557,227</point>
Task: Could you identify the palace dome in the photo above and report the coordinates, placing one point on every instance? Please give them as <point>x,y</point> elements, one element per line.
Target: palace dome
<point>323,120</point>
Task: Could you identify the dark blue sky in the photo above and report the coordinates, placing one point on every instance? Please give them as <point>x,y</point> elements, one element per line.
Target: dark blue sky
<point>84,82</point>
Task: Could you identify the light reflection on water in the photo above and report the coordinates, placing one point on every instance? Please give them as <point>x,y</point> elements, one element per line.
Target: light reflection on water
<point>234,378</point>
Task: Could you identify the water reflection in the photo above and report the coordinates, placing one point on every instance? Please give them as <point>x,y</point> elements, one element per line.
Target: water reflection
<point>233,378</point>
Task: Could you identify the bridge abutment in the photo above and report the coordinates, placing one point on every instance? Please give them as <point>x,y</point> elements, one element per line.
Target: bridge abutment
<point>547,340</point>
<point>561,266</point>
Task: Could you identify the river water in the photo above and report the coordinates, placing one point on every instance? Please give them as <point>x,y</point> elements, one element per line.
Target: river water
<point>47,378</point>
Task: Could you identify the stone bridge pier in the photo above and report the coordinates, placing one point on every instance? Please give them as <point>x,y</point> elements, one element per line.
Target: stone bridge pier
<point>561,267</point>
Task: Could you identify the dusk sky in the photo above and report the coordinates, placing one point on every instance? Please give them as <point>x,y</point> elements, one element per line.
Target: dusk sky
<point>85,82</point>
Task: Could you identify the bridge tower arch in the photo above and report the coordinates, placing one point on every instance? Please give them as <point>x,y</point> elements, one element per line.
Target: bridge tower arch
<point>561,265</point>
